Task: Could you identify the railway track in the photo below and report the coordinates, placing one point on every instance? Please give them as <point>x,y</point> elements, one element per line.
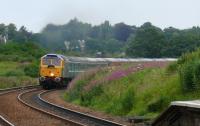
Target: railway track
<point>3,121</point>
<point>21,115</point>
<point>9,90</point>
<point>33,99</point>
<point>30,97</point>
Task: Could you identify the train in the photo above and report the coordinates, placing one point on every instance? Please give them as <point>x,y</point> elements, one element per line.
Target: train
<point>58,70</point>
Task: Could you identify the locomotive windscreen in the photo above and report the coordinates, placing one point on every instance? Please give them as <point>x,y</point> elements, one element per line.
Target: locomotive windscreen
<point>51,60</point>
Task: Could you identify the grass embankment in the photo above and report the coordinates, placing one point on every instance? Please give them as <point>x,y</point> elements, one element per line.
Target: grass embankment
<point>12,74</point>
<point>146,92</point>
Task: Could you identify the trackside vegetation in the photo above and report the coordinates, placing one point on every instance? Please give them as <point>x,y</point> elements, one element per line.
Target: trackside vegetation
<point>19,64</point>
<point>189,70</point>
<point>145,92</point>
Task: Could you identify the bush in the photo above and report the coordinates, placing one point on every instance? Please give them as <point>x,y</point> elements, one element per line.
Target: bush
<point>76,91</point>
<point>158,105</point>
<point>86,98</point>
<point>32,70</point>
<point>127,100</point>
<point>173,67</point>
<point>190,75</point>
<point>123,104</point>
<point>14,73</point>
<point>196,78</point>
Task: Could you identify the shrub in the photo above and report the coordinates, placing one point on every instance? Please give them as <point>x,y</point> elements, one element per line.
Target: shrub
<point>186,76</point>
<point>173,67</point>
<point>196,77</point>
<point>123,104</point>
<point>76,91</point>
<point>158,105</point>
<point>32,70</point>
<point>127,100</point>
<point>190,75</point>
<point>15,73</point>
<point>86,97</point>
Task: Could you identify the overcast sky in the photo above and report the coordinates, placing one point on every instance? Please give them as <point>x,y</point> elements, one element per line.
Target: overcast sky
<point>35,14</point>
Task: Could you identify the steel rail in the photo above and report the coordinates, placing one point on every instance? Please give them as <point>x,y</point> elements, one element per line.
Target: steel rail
<point>43,111</point>
<point>10,90</point>
<point>4,122</point>
<point>70,112</point>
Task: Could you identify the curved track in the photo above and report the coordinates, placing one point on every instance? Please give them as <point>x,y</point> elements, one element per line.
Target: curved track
<point>21,115</point>
<point>82,117</point>
<point>3,121</point>
<point>29,98</point>
<point>10,90</point>
<point>33,99</point>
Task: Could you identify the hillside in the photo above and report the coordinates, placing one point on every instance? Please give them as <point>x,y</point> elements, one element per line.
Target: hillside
<point>136,89</point>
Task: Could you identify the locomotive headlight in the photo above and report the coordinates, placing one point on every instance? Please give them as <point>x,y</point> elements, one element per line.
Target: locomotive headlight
<point>52,74</point>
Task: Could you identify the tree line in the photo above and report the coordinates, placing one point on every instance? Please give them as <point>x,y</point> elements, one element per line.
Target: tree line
<point>119,40</point>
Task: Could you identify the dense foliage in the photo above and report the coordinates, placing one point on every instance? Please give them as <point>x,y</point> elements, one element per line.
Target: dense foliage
<point>11,33</point>
<point>116,40</point>
<point>106,40</point>
<point>148,42</point>
<point>151,41</point>
<point>188,67</point>
<point>27,53</point>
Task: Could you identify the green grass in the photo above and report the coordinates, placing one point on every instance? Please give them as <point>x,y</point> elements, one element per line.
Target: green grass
<point>12,75</point>
<point>9,67</point>
<point>145,93</point>
<point>8,82</point>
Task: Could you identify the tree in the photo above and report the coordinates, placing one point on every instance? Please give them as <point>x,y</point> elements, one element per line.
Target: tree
<point>148,42</point>
<point>23,35</point>
<point>123,31</point>
<point>2,29</point>
<point>11,31</point>
<point>180,41</point>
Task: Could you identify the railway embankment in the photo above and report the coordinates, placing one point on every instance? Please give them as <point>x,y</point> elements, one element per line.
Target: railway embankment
<point>127,90</point>
<point>142,89</point>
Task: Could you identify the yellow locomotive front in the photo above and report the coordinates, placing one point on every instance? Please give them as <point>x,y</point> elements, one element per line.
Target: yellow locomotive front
<point>51,67</point>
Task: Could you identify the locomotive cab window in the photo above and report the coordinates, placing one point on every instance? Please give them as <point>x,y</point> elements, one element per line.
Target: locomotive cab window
<point>56,61</point>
